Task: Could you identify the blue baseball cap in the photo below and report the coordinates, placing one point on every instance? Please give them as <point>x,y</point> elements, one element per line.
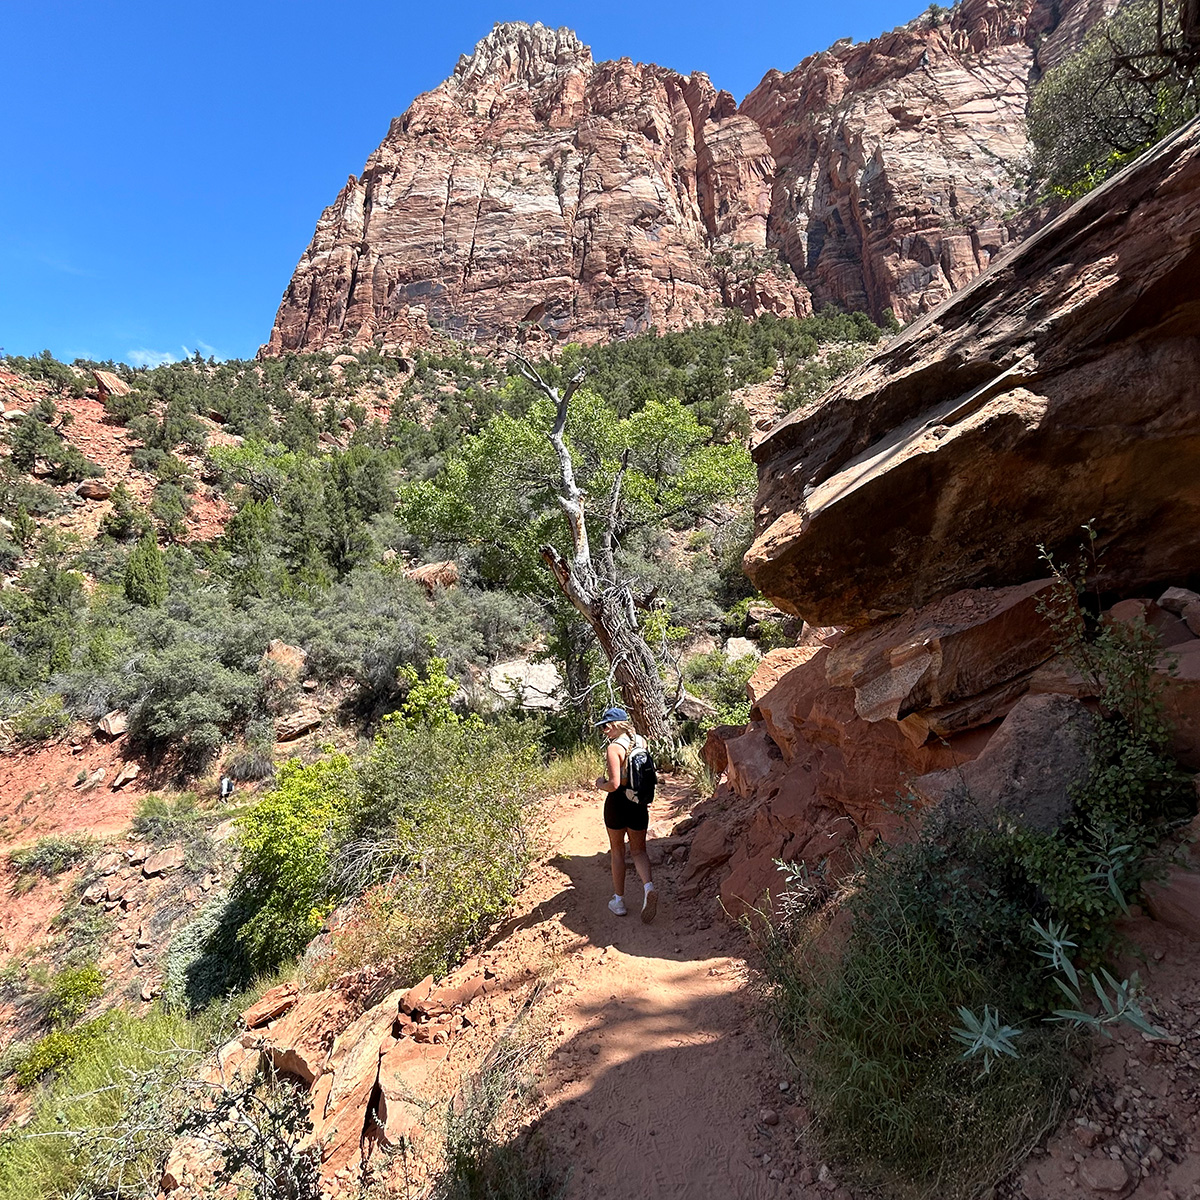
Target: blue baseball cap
<point>610,715</point>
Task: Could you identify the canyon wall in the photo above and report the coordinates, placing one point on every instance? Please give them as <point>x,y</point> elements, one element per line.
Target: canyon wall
<point>539,194</point>
<point>902,517</point>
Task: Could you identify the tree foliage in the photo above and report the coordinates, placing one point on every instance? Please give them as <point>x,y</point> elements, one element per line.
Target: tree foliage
<point>1122,91</point>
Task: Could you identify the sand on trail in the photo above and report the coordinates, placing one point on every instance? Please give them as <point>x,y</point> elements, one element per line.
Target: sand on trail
<point>658,1068</point>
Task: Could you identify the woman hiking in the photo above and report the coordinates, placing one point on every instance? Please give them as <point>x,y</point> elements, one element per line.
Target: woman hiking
<point>625,816</point>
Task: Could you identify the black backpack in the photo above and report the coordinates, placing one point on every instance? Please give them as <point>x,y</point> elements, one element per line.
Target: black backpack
<point>641,773</point>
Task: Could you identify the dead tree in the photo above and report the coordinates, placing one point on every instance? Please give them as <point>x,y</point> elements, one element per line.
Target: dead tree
<point>594,585</point>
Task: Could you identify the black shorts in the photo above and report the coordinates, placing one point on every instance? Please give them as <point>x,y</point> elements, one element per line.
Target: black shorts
<point>622,813</point>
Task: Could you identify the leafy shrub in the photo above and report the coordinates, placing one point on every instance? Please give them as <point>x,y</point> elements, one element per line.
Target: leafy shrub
<point>61,1048</point>
<point>71,992</point>
<point>124,520</point>
<point>41,719</point>
<point>50,856</point>
<point>722,680</point>
<point>286,842</point>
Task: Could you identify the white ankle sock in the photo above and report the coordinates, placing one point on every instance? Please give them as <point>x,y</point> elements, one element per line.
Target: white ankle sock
<point>648,887</point>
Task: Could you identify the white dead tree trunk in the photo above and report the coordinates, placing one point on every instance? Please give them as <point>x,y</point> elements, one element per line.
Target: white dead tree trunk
<point>596,589</point>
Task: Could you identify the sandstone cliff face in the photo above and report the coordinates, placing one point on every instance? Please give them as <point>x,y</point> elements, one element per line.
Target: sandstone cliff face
<point>538,189</point>
<point>536,186</point>
<point>897,159</point>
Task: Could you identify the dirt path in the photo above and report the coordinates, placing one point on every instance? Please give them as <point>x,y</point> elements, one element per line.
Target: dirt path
<point>660,1079</point>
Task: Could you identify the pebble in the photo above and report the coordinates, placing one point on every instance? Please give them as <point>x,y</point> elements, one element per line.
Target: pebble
<point>769,1116</point>
<point>784,1086</point>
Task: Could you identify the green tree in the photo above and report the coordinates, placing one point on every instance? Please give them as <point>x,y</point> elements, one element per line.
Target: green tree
<point>571,468</point>
<point>146,573</point>
<point>1127,87</point>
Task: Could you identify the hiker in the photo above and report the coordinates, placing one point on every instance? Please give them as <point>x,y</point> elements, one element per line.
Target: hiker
<point>623,815</point>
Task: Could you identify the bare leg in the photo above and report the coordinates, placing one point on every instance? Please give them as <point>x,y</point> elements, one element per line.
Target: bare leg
<point>616,853</point>
<point>641,860</point>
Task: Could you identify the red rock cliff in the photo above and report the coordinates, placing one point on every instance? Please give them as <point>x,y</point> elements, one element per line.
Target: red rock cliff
<point>589,200</point>
<point>537,186</point>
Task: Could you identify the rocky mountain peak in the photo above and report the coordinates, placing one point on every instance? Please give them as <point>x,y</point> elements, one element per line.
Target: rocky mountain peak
<point>516,52</point>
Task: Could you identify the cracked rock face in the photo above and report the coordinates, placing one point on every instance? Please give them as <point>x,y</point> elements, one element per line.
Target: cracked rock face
<point>537,191</point>
<point>535,186</point>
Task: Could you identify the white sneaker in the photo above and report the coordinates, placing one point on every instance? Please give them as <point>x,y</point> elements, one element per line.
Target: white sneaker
<point>649,905</point>
<point>616,906</point>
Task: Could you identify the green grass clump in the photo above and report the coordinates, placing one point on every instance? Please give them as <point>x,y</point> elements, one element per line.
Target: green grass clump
<point>71,992</point>
<point>107,1116</point>
<point>49,856</point>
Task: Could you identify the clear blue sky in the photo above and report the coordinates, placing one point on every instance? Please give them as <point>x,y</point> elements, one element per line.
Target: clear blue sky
<point>162,165</point>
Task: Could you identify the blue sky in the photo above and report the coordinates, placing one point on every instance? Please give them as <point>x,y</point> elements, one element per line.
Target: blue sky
<point>162,165</point>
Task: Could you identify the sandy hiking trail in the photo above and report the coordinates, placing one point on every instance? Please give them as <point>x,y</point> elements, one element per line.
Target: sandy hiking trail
<point>660,1078</point>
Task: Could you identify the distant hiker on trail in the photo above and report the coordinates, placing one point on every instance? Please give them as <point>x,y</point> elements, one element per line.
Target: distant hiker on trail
<point>629,785</point>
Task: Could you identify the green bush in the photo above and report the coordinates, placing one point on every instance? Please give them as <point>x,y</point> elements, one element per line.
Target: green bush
<point>146,573</point>
<point>722,681</point>
<point>50,856</point>
<point>285,843</point>
<point>166,818</point>
<point>1124,89</point>
<point>61,1048</point>
<point>71,992</point>
<point>41,720</point>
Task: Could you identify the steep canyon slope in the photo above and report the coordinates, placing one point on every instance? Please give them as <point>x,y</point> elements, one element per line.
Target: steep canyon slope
<point>538,189</point>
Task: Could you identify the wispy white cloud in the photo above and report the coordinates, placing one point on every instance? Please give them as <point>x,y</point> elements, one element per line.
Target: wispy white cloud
<point>207,350</point>
<point>149,358</point>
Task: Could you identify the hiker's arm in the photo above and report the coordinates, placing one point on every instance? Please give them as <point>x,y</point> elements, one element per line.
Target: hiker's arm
<point>612,781</point>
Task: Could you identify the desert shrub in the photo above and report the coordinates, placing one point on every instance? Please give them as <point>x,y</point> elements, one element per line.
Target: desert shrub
<point>180,695</point>
<point>486,1155</point>
<point>286,841</point>
<point>71,992</point>
<point>50,856</point>
<point>38,436</point>
<point>204,961</point>
<point>166,818</point>
<point>146,573</point>
<point>261,1130</point>
<point>125,520</point>
<point>41,719</point>
<point>722,680</point>
<point>815,378</point>
<point>436,840</point>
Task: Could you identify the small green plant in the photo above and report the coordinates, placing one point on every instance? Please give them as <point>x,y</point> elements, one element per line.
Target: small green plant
<point>59,1049</point>
<point>50,856</point>
<point>985,1035</point>
<point>166,818</point>
<point>71,992</point>
<point>41,719</point>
